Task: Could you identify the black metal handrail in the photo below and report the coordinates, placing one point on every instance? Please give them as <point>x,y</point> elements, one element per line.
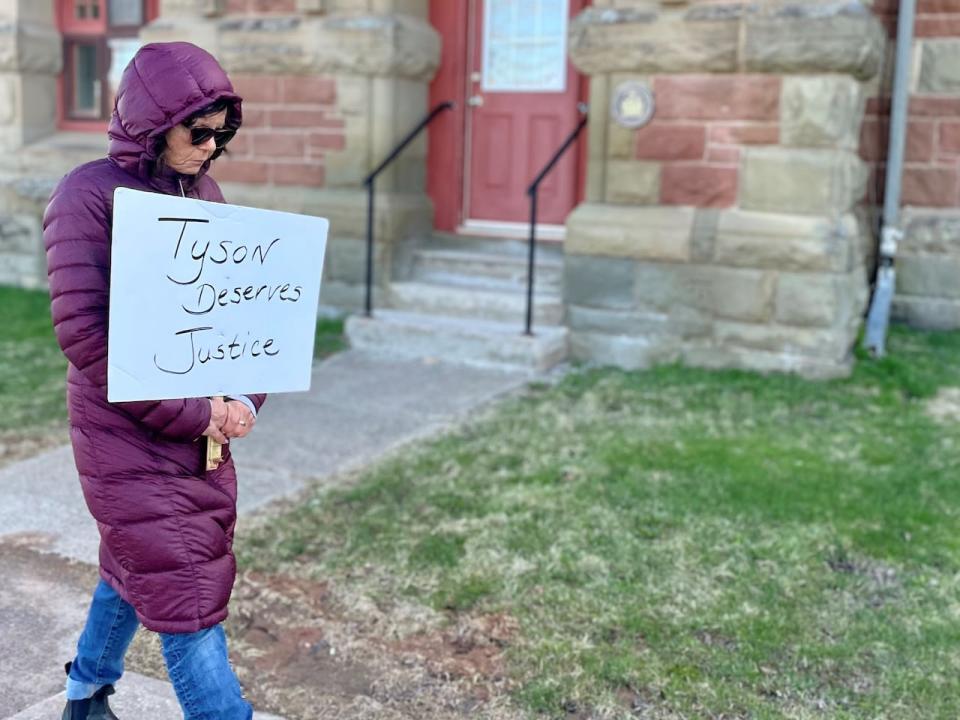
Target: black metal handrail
<point>369,181</point>
<point>532,192</point>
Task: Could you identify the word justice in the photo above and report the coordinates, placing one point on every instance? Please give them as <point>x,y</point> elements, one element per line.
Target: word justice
<point>236,349</point>
<point>220,253</point>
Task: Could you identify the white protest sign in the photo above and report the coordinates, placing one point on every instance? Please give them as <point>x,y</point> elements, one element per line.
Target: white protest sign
<point>210,299</point>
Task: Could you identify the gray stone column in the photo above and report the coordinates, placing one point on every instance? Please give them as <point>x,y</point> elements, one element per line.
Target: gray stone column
<point>30,60</point>
<point>725,233</point>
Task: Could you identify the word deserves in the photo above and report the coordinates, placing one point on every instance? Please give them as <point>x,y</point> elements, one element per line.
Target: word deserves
<point>209,297</point>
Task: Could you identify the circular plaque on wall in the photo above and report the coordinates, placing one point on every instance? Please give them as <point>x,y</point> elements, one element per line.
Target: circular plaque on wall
<point>632,105</point>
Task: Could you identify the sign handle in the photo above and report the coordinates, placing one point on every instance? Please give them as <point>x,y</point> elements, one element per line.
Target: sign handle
<point>214,449</point>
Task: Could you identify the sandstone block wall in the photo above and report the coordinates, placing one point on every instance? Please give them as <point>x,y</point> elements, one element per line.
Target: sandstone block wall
<point>928,269</point>
<point>717,288</point>
<point>21,264</point>
<point>30,59</point>
<point>727,232</point>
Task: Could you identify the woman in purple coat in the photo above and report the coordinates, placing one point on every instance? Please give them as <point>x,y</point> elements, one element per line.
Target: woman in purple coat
<point>166,524</point>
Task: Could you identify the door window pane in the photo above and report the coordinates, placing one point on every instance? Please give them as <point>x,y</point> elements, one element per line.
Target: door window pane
<point>525,45</point>
<point>124,13</point>
<point>86,80</point>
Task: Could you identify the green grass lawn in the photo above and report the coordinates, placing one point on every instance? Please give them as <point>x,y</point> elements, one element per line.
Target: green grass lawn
<point>33,370</point>
<point>680,543</point>
<point>329,338</point>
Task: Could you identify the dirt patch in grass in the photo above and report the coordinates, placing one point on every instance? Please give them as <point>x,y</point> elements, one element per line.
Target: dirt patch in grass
<point>16,445</point>
<point>303,649</point>
<point>944,407</point>
<point>471,653</point>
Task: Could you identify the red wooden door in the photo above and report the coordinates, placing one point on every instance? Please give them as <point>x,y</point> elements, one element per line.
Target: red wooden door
<point>522,103</point>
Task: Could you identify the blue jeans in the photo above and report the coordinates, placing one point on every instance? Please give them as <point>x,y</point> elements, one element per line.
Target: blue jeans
<point>196,662</point>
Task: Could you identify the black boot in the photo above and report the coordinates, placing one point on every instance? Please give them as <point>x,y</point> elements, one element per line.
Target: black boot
<point>95,708</point>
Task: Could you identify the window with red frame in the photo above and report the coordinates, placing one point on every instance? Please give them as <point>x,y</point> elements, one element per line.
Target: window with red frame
<point>99,39</point>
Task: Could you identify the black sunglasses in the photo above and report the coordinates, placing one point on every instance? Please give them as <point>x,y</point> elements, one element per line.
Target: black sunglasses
<point>199,135</point>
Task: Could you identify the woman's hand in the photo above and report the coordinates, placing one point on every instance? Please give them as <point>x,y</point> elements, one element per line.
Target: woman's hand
<point>239,420</point>
<point>218,417</point>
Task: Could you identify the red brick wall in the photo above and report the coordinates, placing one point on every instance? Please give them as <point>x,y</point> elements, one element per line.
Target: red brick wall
<point>931,176</point>
<point>935,18</point>
<point>290,125</point>
<point>702,123</point>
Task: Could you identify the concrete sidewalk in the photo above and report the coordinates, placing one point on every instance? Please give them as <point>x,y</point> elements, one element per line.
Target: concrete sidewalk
<point>359,408</point>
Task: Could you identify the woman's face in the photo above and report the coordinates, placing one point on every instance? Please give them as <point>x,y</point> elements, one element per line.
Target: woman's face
<point>183,156</point>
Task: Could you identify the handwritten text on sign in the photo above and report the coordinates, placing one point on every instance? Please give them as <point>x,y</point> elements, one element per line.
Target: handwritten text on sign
<point>210,299</point>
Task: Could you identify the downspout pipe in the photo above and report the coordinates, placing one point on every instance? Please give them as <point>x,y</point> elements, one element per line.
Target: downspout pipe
<point>891,232</point>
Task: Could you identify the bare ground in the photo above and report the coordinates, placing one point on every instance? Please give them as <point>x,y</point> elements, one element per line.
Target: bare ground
<point>302,649</point>
<point>944,407</point>
<point>16,445</point>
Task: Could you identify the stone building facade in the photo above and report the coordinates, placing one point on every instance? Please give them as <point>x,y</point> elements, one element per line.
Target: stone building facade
<point>735,229</point>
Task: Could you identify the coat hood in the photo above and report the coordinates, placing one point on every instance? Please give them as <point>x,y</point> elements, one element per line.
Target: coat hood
<point>163,85</point>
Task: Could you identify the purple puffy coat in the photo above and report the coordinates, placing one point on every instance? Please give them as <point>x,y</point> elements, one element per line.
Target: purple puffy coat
<point>166,525</point>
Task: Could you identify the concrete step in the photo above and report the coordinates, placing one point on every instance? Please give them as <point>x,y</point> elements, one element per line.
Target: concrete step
<point>477,343</point>
<point>546,250</point>
<point>508,272</point>
<point>474,302</point>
